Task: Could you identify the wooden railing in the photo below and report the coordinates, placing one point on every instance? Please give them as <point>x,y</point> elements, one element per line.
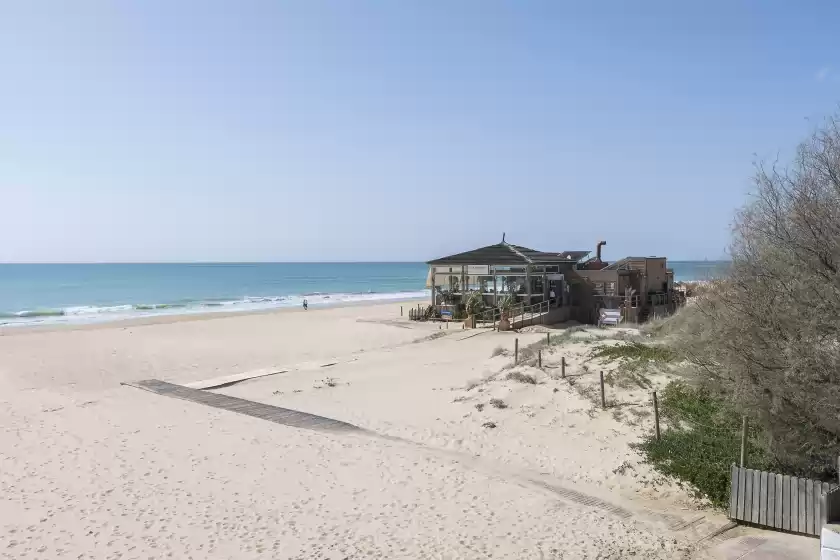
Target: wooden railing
<point>634,300</point>
<point>518,312</point>
<point>530,311</point>
<point>659,298</point>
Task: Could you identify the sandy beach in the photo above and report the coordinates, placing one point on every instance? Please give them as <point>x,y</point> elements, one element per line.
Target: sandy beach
<point>93,469</point>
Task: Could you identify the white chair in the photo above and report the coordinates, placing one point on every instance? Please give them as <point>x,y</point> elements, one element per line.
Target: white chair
<point>609,317</point>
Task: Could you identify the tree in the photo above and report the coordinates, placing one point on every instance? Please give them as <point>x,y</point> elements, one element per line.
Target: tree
<point>769,335</point>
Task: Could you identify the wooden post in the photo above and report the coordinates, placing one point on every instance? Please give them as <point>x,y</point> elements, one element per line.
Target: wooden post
<point>528,287</point>
<point>401,310</point>
<point>603,396</point>
<point>656,415</point>
<point>545,286</point>
<point>563,367</point>
<point>743,440</point>
<point>495,291</point>
<point>547,338</point>
<point>516,351</point>
<point>539,359</point>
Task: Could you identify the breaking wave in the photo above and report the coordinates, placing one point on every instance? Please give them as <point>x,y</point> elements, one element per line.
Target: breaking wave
<point>84,313</point>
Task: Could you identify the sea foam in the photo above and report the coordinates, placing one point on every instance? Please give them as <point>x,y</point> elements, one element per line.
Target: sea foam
<point>90,314</point>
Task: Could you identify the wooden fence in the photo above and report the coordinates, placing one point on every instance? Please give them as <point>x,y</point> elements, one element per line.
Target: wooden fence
<point>787,503</point>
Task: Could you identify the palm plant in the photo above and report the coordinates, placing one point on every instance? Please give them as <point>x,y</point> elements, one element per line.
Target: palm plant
<point>475,303</point>
<point>507,302</point>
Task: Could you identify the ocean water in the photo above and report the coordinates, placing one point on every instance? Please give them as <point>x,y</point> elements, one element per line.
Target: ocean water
<point>64,293</point>
<point>686,271</point>
<point>74,293</point>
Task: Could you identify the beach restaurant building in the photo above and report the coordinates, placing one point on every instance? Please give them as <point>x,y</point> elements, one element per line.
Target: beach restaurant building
<point>504,268</point>
<point>574,286</point>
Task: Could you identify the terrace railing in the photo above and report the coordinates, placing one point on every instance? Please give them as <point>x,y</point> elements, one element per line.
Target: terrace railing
<point>518,313</point>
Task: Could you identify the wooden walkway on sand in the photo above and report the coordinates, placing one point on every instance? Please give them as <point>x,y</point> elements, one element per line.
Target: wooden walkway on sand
<point>696,524</point>
<point>275,414</point>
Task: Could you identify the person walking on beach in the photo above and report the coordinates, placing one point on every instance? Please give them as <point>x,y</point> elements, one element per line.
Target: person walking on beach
<point>305,305</point>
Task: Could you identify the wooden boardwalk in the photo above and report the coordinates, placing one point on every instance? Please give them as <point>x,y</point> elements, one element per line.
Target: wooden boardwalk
<point>285,416</point>
<point>297,419</point>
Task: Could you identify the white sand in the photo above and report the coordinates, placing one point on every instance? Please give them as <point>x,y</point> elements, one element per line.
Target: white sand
<point>92,469</point>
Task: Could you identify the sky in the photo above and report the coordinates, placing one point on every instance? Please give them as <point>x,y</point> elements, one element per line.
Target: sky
<point>355,130</point>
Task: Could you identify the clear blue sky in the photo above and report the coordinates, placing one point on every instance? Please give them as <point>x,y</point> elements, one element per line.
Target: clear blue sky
<point>355,130</point>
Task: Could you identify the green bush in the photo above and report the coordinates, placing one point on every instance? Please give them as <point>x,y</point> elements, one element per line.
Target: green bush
<point>635,352</point>
<point>521,377</point>
<point>700,441</point>
<point>498,403</point>
<point>475,303</point>
<point>507,302</point>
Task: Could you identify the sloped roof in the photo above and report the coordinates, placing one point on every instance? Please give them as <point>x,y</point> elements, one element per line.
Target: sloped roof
<point>627,261</point>
<point>573,255</point>
<point>508,254</point>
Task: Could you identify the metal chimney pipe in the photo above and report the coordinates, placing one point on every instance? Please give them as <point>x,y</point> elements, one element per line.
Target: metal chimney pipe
<point>598,249</point>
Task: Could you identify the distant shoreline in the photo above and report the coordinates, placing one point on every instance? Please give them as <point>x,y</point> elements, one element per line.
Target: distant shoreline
<point>91,293</point>
<point>171,318</point>
<point>55,295</point>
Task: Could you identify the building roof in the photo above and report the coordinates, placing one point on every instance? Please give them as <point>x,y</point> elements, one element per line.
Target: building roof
<point>509,254</point>
<point>573,255</point>
<point>625,262</point>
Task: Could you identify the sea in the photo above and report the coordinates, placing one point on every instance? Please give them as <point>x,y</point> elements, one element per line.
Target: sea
<point>32,294</point>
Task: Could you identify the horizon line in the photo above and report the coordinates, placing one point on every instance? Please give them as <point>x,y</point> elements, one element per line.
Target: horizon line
<point>268,262</point>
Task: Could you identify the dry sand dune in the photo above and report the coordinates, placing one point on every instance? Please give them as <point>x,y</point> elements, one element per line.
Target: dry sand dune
<point>92,469</point>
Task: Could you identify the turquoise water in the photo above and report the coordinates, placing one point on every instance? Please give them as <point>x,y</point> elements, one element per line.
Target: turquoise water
<point>698,270</point>
<point>37,293</point>
<point>62,293</point>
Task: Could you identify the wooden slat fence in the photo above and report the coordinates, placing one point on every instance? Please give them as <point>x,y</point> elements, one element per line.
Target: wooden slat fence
<point>787,503</point>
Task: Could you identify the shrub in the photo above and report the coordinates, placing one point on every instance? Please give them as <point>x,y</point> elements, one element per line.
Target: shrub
<point>521,377</point>
<point>475,303</point>
<point>700,441</point>
<point>566,335</point>
<point>634,352</point>
<point>500,351</point>
<point>507,302</point>
<point>431,312</point>
<point>768,333</point>
<point>498,403</point>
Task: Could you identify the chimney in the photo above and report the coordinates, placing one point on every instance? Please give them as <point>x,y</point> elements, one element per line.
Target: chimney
<point>598,250</point>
